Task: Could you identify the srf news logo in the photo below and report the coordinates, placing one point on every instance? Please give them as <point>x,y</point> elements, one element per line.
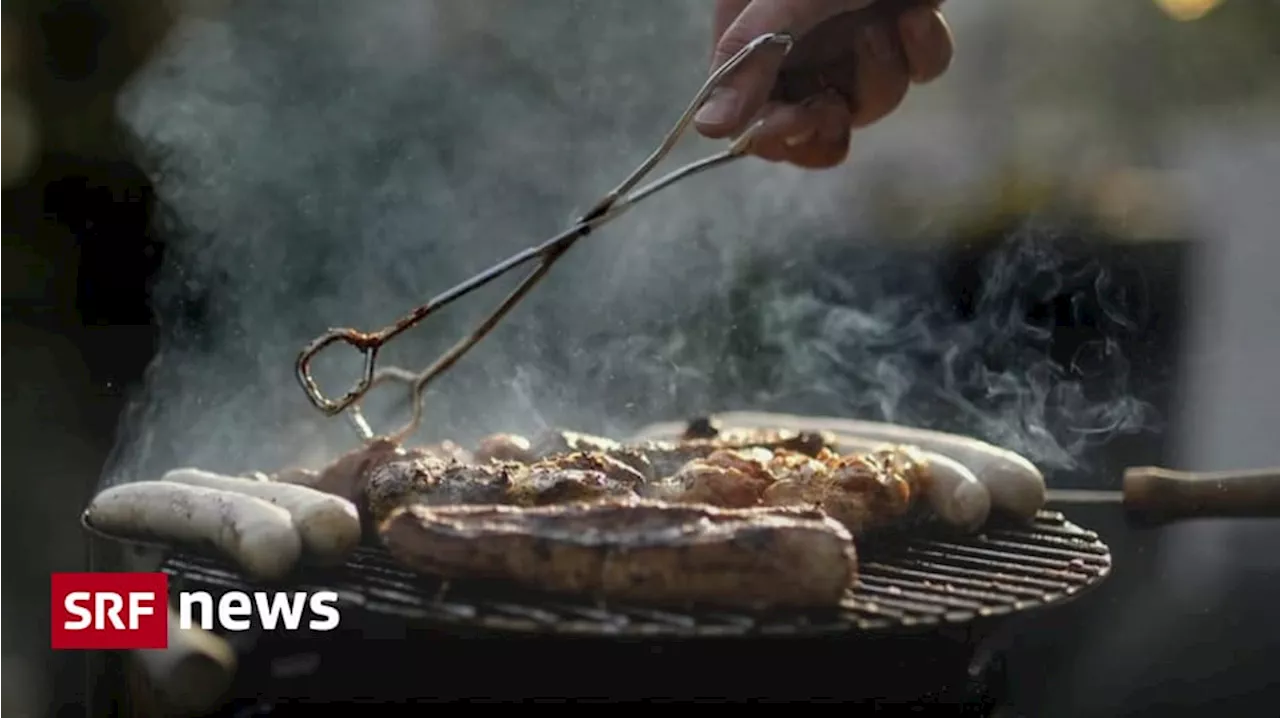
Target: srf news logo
<point>121,611</point>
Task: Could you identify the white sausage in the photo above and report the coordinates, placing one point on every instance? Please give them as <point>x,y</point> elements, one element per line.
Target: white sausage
<point>256,535</point>
<point>955,494</point>
<point>328,525</point>
<point>194,672</point>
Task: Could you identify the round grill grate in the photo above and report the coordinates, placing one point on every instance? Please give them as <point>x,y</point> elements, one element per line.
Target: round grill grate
<point>903,584</point>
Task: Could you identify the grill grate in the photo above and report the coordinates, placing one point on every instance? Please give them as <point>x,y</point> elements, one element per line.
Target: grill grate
<point>903,584</point>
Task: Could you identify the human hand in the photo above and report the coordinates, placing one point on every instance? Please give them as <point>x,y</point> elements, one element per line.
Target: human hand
<point>846,70</point>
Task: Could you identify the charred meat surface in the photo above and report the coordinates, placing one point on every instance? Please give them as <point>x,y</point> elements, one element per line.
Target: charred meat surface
<point>635,551</point>
<point>544,486</point>
<point>614,468</point>
<point>349,474</point>
<point>728,478</point>
<point>737,469</point>
<point>447,450</point>
<point>668,457</point>
<point>656,460</point>
<point>704,427</point>
<point>560,441</point>
<point>431,481</point>
<point>346,476</point>
<point>555,443</point>
<point>863,491</point>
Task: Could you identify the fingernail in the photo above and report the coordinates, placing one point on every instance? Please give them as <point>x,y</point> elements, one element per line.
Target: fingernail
<point>720,108</point>
<point>875,41</point>
<point>799,138</point>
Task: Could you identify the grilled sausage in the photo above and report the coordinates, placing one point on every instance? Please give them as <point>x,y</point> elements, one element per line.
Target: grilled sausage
<point>635,551</point>
<point>328,525</point>
<point>258,536</point>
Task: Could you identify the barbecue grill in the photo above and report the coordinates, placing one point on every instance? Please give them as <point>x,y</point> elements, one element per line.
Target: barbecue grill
<point>918,583</point>
<point>923,624</point>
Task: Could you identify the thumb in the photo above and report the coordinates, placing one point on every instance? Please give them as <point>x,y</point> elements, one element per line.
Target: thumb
<point>742,94</point>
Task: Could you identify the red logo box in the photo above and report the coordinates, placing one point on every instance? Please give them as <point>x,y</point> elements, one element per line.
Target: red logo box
<point>110,611</point>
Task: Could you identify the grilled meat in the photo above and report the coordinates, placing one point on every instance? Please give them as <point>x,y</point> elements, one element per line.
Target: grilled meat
<point>727,478</point>
<point>446,450</point>
<point>614,468</point>
<point>544,485</point>
<point>851,510</point>
<point>554,443</point>
<point>558,441</point>
<point>702,428</point>
<point>862,491</point>
<point>734,470</point>
<point>660,459</point>
<point>635,550</point>
<point>430,481</point>
<point>890,477</point>
<point>505,447</point>
<point>346,476</point>
<point>668,457</point>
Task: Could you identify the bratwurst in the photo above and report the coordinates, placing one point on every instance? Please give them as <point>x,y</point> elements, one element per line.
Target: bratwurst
<point>635,550</point>
<point>328,525</point>
<point>257,535</point>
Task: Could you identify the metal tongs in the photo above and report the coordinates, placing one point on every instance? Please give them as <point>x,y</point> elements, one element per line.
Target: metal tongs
<point>610,207</point>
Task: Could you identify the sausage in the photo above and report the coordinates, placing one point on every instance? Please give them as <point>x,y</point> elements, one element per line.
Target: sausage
<point>634,550</point>
<point>1015,485</point>
<point>255,534</point>
<point>955,494</point>
<point>193,673</point>
<point>328,525</point>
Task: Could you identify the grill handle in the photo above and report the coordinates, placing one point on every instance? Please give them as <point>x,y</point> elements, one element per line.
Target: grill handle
<point>1157,495</point>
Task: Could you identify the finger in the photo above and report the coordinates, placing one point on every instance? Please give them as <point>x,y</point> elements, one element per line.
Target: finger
<point>821,154</point>
<point>926,42</point>
<point>742,94</point>
<point>829,145</point>
<point>882,77</point>
<point>726,11</point>
<point>781,129</point>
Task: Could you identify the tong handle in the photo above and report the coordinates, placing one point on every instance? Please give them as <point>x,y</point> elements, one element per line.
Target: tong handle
<point>1157,495</point>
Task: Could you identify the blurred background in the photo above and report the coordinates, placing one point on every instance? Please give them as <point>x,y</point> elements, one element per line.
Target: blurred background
<point>1065,246</point>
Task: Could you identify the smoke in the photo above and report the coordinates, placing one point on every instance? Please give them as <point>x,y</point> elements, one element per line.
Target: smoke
<point>893,343</point>
<point>333,164</point>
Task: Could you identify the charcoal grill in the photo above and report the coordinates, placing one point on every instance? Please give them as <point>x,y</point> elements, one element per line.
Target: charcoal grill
<point>903,585</point>
<point>925,624</point>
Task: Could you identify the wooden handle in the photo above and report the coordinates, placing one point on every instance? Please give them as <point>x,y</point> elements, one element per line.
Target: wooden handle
<point>1157,495</point>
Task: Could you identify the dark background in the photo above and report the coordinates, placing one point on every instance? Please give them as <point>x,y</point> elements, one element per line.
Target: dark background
<point>80,250</point>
